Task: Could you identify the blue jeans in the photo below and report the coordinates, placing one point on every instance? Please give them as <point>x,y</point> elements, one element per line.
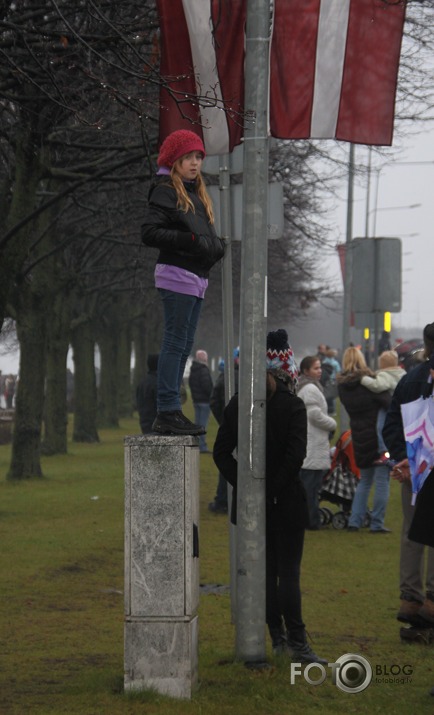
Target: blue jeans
<point>370,475</point>
<point>312,480</point>
<point>181,315</point>
<point>201,417</point>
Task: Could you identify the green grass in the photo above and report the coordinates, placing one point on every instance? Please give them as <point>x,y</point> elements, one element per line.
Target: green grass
<point>61,607</point>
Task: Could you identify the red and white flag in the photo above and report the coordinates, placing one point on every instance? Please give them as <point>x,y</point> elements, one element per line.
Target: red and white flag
<point>333,69</point>
<point>202,55</point>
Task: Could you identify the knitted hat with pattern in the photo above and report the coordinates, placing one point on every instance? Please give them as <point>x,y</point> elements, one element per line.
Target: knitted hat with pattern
<point>280,357</point>
<point>177,144</point>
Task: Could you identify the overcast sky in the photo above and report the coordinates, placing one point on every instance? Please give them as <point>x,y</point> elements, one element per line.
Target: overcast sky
<point>401,185</point>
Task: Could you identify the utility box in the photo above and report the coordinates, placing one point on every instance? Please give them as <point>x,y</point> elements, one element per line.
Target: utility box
<point>161,563</point>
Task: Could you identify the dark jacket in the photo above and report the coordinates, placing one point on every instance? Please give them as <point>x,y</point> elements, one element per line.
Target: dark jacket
<point>413,385</point>
<point>218,399</point>
<point>186,240</point>
<point>286,439</point>
<point>146,396</point>
<point>200,382</point>
<point>362,407</point>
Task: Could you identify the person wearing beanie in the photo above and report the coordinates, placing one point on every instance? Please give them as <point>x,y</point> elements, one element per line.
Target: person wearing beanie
<point>286,504</point>
<point>200,383</point>
<point>179,222</point>
<point>416,564</point>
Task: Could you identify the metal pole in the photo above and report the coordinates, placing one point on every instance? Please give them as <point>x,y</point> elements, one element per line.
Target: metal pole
<point>227,299</point>
<point>348,280</point>
<point>377,312</point>
<point>368,194</point>
<point>228,334</point>
<point>250,624</point>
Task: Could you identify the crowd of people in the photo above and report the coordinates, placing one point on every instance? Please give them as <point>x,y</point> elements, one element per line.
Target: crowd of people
<point>300,411</point>
<point>301,423</point>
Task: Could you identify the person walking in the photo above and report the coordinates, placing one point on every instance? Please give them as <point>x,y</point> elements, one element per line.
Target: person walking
<point>179,221</point>
<point>416,561</point>
<point>319,425</point>
<point>286,505</point>
<point>200,383</point>
<point>362,406</point>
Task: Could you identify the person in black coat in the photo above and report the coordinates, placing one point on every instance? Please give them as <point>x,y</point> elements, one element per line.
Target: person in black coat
<point>217,403</point>
<point>146,396</point>
<point>362,406</point>
<point>416,578</point>
<point>200,383</point>
<point>286,504</point>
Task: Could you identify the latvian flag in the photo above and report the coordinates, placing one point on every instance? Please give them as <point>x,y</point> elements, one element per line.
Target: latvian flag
<point>333,69</point>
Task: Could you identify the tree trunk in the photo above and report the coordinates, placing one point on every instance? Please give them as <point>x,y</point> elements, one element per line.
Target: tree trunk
<point>107,391</point>
<point>26,180</point>
<point>85,398</point>
<point>56,413</point>
<point>139,343</point>
<point>31,331</point>
<point>125,396</point>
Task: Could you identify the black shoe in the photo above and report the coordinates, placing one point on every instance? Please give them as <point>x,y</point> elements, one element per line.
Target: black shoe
<point>352,528</point>
<point>200,428</point>
<point>217,508</point>
<point>303,653</point>
<point>175,423</point>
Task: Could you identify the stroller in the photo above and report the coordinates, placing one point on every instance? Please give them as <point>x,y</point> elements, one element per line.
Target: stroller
<point>340,484</point>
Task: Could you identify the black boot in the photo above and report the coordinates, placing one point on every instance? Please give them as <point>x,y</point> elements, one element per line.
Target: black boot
<point>175,423</point>
<point>301,652</point>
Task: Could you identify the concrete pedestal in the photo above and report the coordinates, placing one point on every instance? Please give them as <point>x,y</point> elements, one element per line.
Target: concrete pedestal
<point>161,563</point>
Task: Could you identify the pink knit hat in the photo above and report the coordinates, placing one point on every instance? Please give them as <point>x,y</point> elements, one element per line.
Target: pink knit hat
<point>177,144</point>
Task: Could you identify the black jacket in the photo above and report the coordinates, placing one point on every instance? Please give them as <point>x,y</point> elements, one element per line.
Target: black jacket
<point>200,382</point>
<point>413,385</point>
<point>286,439</point>
<point>186,240</point>
<point>362,406</point>
<point>146,396</point>
<point>218,398</point>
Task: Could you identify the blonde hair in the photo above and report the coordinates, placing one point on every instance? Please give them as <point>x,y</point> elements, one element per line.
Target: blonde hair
<point>353,361</point>
<point>184,202</point>
<point>388,359</point>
